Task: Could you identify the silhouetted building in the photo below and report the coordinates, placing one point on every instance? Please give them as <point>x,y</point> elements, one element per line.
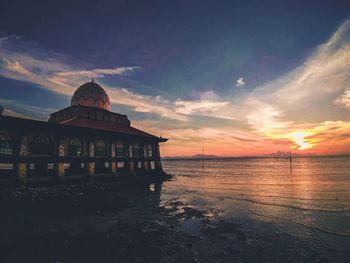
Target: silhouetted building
<point>83,140</point>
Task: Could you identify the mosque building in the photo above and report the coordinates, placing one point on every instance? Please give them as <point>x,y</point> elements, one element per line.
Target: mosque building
<point>85,140</point>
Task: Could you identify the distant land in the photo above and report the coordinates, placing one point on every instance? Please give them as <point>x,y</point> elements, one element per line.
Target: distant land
<point>286,154</point>
<point>280,154</point>
<point>197,156</point>
<point>204,156</point>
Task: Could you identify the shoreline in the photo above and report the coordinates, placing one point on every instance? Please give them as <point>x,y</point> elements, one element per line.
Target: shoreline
<point>87,223</point>
<point>107,222</point>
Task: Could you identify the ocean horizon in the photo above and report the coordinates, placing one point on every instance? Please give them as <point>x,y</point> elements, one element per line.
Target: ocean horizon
<point>170,158</point>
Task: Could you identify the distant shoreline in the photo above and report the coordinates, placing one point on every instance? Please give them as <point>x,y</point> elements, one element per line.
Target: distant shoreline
<point>247,157</point>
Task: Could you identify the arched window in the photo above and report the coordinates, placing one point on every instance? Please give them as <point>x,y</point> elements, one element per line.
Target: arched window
<point>5,143</point>
<point>147,151</point>
<point>100,148</point>
<point>75,147</point>
<point>42,145</point>
<point>119,149</point>
<point>130,150</point>
<point>60,116</point>
<point>134,150</point>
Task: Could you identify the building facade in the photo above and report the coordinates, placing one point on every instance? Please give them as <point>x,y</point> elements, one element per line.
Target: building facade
<point>84,140</point>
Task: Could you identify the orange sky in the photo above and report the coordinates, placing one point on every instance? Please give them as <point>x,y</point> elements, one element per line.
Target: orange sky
<point>306,110</point>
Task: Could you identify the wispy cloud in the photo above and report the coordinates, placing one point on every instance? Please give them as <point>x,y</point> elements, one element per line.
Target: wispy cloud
<point>225,141</point>
<point>97,73</point>
<point>179,110</point>
<point>324,133</point>
<point>296,105</point>
<point>307,108</point>
<point>16,67</point>
<point>264,117</point>
<point>22,110</point>
<point>209,95</point>
<point>70,78</point>
<point>205,107</point>
<point>296,110</point>
<point>240,83</point>
<point>323,77</point>
<point>12,113</point>
<point>344,99</point>
<point>52,74</point>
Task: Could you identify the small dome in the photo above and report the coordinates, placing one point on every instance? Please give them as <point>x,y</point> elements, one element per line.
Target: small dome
<point>91,94</point>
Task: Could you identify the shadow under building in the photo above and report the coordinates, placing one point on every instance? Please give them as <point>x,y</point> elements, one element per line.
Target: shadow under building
<point>85,140</point>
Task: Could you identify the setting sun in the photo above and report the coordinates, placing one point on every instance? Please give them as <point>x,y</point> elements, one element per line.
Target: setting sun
<point>300,140</point>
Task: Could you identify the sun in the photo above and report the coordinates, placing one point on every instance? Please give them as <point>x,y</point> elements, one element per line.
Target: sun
<point>301,140</point>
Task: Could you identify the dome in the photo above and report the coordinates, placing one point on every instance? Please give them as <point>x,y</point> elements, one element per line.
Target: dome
<point>91,94</point>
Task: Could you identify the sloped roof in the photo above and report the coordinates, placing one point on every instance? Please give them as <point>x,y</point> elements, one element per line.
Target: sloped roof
<point>108,126</point>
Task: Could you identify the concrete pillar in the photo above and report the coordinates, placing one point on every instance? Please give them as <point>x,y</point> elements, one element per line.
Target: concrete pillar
<point>132,167</point>
<point>60,166</point>
<point>60,172</point>
<point>113,163</point>
<point>159,165</point>
<point>91,165</point>
<point>22,173</point>
<point>90,168</point>
<point>92,149</point>
<point>113,167</point>
<point>144,151</point>
<point>23,148</point>
<point>22,167</point>
<point>113,150</point>
<point>157,151</point>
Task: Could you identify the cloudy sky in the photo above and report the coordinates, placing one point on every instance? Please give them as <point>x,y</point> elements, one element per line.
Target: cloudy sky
<point>234,77</point>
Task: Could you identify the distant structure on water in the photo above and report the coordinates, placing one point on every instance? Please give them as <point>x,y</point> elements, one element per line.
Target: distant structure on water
<point>85,140</point>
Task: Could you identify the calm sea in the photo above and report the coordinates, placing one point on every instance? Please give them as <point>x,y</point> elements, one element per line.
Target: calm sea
<point>309,203</point>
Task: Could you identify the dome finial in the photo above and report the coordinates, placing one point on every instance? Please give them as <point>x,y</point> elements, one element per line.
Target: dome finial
<point>92,80</point>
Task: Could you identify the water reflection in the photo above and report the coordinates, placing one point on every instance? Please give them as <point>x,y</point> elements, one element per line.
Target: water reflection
<point>311,201</point>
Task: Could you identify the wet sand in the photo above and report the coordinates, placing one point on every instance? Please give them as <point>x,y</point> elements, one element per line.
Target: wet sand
<point>106,222</point>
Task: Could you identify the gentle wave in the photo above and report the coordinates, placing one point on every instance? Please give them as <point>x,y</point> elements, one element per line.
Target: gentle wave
<point>269,196</point>
<point>340,234</point>
<point>311,202</point>
<point>243,198</point>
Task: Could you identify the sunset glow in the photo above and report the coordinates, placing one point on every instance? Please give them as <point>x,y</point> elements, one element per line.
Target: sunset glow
<point>232,99</point>
<point>300,141</point>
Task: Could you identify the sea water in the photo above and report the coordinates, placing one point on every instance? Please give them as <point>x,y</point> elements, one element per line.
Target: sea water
<point>307,200</point>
